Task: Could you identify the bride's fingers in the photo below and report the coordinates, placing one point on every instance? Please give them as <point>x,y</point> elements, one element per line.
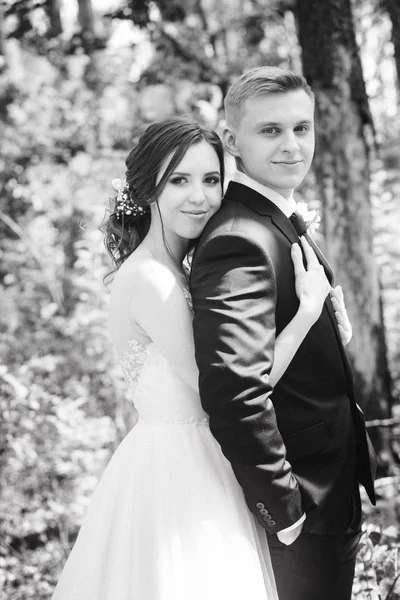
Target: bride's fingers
<point>335,303</point>
<point>340,294</point>
<point>345,334</point>
<point>311,258</point>
<point>297,259</point>
<point>340,319</point>
<point>337,294</point>
<point>339,307</point>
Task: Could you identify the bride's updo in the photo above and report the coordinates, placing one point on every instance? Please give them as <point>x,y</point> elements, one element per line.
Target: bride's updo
<point>130,218</point>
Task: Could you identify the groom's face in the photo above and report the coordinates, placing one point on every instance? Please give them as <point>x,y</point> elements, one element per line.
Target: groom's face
<point>273,139</point>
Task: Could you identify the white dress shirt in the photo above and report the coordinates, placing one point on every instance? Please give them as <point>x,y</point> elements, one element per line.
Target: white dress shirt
<point>287,206</point>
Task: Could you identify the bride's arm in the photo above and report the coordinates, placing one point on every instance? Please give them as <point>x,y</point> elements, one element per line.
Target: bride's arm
<point>312,288</point>
<point>288,342</point>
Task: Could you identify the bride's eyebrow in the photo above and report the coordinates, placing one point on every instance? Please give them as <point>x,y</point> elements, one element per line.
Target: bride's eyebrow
<point>181,173</point>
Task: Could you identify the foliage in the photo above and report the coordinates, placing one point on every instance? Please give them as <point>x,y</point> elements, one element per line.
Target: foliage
<point>377,575</point>
<point>377,571</point>
<point>61,394</point>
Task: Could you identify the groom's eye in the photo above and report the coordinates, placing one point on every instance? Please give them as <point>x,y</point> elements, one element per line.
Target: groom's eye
<point>270,130</point>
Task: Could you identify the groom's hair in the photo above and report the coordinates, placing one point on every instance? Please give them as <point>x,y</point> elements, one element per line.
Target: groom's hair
<point>261,81</point>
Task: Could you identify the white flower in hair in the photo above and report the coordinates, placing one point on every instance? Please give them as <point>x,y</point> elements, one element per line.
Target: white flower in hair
<point>124,203</point>
<point>117,184</point>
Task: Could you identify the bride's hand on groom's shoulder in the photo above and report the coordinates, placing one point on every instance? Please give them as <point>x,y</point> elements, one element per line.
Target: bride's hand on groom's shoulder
<point>343,321</point>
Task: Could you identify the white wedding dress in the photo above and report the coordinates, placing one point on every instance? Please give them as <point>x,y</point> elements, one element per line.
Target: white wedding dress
<point>168,520</point>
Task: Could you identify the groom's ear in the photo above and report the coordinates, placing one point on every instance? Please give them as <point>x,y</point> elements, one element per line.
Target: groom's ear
<point>230,141</point>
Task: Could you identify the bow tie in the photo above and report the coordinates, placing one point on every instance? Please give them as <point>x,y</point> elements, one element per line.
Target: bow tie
<point>301,229</point>
<point>298,223</point>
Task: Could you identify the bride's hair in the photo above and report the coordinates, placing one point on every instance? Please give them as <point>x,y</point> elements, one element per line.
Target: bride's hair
<point>169,138</point>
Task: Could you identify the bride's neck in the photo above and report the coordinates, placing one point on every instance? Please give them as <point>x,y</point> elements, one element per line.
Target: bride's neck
<point>170,250</point>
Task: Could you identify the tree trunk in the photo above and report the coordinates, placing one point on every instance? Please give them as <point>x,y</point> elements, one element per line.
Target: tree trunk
<point>53,12</point>
<point>86,17</point>
<point>332,66</point>
<point>3,62</point>
<point>86,22</point>
<point>393,9</point>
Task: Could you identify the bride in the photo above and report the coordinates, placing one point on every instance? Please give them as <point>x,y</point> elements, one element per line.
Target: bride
<point>168,520</point>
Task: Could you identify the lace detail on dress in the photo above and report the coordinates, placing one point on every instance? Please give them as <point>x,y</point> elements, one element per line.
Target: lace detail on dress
<point>188,297</point>
<point>132,361</point>
<point>174,421</point>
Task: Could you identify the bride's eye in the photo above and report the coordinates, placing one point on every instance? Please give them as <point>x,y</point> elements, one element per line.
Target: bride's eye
<point>178,180</point>
<point>212,180</point>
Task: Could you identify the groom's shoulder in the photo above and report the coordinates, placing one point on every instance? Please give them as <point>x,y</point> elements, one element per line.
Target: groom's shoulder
<point>225,216</point>
<point>233,218</point>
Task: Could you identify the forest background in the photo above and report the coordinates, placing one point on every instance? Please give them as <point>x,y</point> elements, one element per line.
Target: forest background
<point>79,81</point>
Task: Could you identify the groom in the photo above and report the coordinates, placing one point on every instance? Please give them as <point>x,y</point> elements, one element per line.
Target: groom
<point>298,450</point>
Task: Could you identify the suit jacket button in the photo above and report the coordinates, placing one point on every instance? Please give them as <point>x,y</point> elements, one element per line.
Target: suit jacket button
<point>264,511</point>
<point>272,523</point>
<point>259,505</point>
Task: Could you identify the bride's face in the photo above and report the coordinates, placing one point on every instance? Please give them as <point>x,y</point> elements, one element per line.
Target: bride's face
<point>192,193</point>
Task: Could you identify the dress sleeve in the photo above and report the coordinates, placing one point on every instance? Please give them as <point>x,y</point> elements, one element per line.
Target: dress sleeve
<point>234,296</point>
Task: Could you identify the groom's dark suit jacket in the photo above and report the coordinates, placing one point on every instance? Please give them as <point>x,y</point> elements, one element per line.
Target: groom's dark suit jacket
<point>301,446</point>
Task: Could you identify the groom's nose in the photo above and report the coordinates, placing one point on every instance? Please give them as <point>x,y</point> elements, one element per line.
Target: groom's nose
<point>289,142</point>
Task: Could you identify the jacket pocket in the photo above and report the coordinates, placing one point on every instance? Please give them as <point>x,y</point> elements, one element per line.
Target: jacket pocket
<point>307,441</point>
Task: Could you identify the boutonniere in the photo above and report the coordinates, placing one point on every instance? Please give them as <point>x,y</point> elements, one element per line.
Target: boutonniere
<point>311,217</point>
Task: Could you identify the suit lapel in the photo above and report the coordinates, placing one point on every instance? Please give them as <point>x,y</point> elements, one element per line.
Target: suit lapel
<point>284,225</point>
<point>322,259</point>
<point>346,363</point>
<point>261,205</point>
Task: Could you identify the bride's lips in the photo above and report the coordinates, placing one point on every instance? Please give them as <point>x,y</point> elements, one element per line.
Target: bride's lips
<point>195,214</point>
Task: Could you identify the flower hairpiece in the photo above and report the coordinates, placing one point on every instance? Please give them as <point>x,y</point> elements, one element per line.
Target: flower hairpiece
<point>124,203</point>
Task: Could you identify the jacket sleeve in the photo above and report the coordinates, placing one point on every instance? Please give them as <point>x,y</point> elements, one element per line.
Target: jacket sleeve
<point>234,294</point>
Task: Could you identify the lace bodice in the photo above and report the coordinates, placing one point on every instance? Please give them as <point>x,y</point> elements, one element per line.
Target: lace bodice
<point>132,362</point>
<point>159,394</point>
